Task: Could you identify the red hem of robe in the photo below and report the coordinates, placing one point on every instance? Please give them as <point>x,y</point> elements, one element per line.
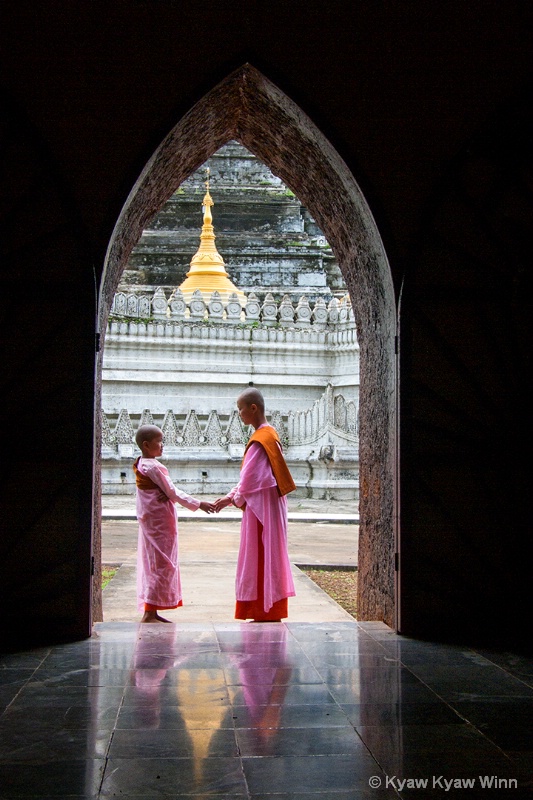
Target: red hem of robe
<point>150,607</point>
<point>254,609</point>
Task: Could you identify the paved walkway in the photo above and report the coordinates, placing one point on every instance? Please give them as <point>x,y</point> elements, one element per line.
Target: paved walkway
<point>300,510</point>
<point>319,534</point>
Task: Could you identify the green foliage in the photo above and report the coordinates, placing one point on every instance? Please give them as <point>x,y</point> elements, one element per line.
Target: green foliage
<point>141,320</point>
<point>107,574</point>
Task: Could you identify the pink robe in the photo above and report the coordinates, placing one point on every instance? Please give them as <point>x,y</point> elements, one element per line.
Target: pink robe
<point>158,574</point>
<point>257,489</point>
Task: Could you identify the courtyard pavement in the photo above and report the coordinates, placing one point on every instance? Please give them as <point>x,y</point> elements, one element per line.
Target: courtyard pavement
<point>320,534</point>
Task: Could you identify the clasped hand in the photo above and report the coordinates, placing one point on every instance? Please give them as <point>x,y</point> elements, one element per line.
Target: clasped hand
<point>221,503</point>
<point>214,508</point>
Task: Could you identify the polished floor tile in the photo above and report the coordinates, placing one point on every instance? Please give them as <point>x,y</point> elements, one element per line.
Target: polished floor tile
<point>266,741</point>
<point>53,718</point>
<point>260,675</point>
<point>281,694</point>
<point>175,718</point>
<point>337,711</point>
<point>30,660</point>
<point>405,739</point>
<point>390,713</point>
<point>400,691</point>
<point>282,716</point>
<point>166,777</point>
<point>32,744</point>
<point>315,774</point>
<point>68,778</point>
<point>160,743</point>
<point>92,676</point>
<point>37,695</point>
<point>452,681</point>
<point>518,665</point>
<point>183,688</point>
<point>506,721</point>
<point>15,676</point>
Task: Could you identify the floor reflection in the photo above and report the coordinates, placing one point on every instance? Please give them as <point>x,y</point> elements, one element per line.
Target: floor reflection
<point>174,693</point>
<point>264,675</point>
<point>258,711</point>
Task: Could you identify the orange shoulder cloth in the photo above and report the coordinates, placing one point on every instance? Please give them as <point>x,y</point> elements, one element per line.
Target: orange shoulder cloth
<point>268,438</point>
<point>143,481</point>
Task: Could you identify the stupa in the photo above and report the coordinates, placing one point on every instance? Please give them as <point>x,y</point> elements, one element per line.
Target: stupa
<point>208,271</point>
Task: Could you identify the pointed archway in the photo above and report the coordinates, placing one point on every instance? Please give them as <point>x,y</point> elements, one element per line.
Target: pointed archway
<point>249,108</point>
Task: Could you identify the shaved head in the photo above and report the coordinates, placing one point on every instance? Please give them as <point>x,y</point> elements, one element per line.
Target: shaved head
<point>146,433</point>
<point>252,395</point>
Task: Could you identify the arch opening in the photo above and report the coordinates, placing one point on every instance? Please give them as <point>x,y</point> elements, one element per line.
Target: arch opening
<point>248,108</point>
<point>180,362</point>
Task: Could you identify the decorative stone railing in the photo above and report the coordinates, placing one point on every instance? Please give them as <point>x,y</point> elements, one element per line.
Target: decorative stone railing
<point>336,336</point>
<point>328,414</point>
<point>157,308</point>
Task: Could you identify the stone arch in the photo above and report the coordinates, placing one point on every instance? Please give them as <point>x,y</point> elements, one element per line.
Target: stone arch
<point>247,107</point>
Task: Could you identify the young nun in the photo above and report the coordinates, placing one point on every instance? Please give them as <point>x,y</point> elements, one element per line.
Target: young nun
<point>264,579</point>
<point>158,573</point>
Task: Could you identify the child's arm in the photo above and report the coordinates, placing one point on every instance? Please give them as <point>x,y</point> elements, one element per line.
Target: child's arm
<point>160,476</point>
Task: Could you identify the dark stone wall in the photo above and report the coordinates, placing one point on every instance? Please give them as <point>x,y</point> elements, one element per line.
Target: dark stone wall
<point>428,106</point>
<point>468,309</point>
<point>47,396</point>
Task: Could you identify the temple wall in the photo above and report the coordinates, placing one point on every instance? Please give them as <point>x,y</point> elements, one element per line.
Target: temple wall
<point>182,367</point>
<point>203,452</point>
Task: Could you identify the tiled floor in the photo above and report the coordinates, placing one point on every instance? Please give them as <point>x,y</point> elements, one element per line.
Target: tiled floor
<point>268,712</point>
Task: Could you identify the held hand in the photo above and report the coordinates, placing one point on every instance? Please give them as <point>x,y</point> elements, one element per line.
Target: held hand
<point>221,503</point>
<point>209,508</point>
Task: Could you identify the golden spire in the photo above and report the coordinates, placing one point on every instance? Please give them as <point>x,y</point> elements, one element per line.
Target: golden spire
<point>207,272</point>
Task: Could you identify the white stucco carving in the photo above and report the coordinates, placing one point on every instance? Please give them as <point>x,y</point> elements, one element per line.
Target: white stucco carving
<point>183,372</point>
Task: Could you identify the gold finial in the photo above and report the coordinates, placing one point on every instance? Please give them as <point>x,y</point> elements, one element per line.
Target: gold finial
<point>208,201</point>
<point>207,272</point>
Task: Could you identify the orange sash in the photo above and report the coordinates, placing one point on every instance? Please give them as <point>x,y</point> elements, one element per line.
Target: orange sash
<point>143,481</point>
<point>268,438</point>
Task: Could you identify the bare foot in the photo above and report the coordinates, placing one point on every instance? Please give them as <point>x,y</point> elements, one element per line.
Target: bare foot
<point>153,616</point>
